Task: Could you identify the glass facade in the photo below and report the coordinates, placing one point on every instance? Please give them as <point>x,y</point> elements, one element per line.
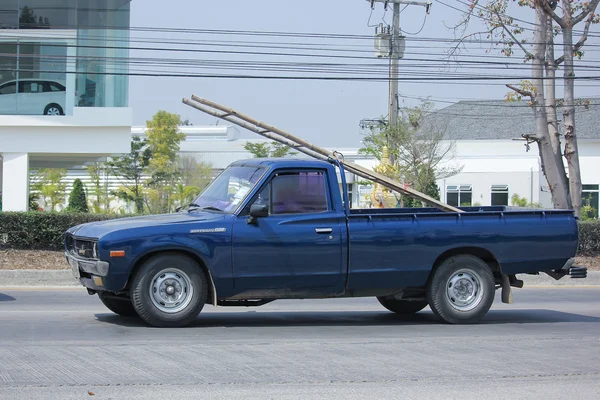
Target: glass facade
<point>85,67</point>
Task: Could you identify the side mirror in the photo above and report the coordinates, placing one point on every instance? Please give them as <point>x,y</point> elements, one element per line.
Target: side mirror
<point>258,211</point>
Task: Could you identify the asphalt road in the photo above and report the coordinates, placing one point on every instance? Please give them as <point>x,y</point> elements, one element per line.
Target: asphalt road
<point>63,344</point>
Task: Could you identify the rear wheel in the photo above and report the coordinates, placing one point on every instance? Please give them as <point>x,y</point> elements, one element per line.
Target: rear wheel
<point>169,290</point>
<point>121,306</point>
<point>402,306</point>
<point>461,290</point>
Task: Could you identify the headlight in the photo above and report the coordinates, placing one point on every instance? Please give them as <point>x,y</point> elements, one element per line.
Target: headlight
<point>95,250</point>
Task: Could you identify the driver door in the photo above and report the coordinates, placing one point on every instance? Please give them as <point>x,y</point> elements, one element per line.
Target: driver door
<point>297,248</point>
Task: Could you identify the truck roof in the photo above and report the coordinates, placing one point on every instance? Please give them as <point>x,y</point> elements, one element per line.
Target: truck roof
<point>283,162</point>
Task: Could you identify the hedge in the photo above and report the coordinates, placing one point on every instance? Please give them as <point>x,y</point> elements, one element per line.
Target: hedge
<point>589,238</point>
<point>44,230</point>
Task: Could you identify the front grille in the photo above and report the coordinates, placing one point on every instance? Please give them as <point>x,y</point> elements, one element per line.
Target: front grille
<point>81,247</point>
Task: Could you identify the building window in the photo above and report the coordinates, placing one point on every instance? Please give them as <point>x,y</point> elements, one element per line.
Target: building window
<point>32,67</point>
<point>590,200</point>
<point>459,195</point>
<point>499,195</point>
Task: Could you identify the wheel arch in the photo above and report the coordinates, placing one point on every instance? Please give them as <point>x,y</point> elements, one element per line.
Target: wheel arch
<point>484,254</point>
<point>212,291</point>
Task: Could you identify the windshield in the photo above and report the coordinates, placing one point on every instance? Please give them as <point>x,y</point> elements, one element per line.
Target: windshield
<point>229,189</point>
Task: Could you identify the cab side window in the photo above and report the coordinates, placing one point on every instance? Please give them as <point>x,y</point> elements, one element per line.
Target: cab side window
<point>298,193</point>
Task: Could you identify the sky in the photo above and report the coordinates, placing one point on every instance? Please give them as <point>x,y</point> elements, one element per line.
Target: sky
<point>326,112</point>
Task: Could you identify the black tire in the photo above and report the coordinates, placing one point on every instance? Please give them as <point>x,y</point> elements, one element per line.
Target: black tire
<point>151,286</point>
<point>122,307</point>
<point>404,307</point>
<point>53,107</point>
<point>461,290</point>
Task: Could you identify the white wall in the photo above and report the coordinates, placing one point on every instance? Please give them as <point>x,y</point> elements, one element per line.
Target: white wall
<point>15,177</point>
<point>589,160</point>
<point>95,131</point>
<point>89,133</point>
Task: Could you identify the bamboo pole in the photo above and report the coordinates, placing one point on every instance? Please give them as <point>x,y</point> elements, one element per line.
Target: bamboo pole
<point>276,134</point>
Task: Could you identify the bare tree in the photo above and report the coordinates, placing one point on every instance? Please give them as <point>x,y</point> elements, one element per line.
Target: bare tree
<point>507,33</point>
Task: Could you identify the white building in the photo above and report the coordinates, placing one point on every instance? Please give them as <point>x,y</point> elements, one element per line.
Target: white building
<point>496,163</point>
<point>62,99</point>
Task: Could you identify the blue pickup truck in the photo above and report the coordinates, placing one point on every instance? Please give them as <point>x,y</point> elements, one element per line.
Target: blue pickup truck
<point>268,229</point>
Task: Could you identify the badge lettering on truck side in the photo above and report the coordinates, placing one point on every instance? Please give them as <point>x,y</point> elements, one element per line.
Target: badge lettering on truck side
<point>212,230</point>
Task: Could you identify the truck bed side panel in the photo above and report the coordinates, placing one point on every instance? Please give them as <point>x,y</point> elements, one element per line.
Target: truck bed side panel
<point>392,250</point>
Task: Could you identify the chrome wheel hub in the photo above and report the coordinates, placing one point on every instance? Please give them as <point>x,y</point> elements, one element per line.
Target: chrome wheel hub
<point>464,290</point>
<point>171,290</point>
<point>53,111</point>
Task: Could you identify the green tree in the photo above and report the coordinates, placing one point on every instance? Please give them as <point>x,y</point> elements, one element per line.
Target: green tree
<point>77,198</point>
<point>27,18</point>
<point>194,172</point>
<point>129,170</point>
<point>268,149</point>
<point>195,176</point>
<point>183,195</point>
<point>101,198</point>
<point>518,201</point>
<point>164,140</point>
<point>417,148</point>
<point>50,186</point>
<point>33,202</point>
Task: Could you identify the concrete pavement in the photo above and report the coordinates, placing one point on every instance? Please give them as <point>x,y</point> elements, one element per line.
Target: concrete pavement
<point>63,343</point>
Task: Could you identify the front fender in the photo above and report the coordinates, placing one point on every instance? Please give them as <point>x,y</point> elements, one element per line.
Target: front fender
<point>212,251</point>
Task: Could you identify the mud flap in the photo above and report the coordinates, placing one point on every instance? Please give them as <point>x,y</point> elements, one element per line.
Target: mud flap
<point>506,290</point>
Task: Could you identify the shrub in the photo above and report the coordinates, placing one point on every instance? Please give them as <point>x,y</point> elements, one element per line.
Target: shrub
<point>77,199</point>
<point>589,238</point>
<point>42,230</point>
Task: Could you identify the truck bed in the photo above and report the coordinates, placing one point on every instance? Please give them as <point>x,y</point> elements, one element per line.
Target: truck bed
<point>402,244</point>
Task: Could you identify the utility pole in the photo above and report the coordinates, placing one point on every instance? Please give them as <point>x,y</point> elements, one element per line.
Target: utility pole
<point>394,65</point>
<point>395,46</point>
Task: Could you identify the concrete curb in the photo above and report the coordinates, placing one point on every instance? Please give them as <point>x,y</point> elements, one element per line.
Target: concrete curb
<point>36,278</point>
<point>31,277</point>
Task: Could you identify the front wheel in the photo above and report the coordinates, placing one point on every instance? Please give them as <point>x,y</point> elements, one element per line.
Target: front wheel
<point>119,306</point>
<point>169,290</point>
<point>461,290</point>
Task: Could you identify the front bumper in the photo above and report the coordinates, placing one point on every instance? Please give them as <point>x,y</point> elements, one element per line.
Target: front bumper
<point>85,266</point>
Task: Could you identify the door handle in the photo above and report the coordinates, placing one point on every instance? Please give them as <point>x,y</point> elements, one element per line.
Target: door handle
<point>323,231</point>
